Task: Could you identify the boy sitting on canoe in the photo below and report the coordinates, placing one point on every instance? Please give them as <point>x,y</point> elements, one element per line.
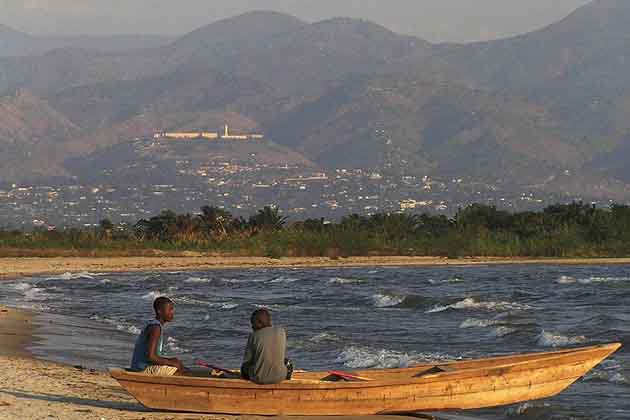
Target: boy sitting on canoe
<point>265,359</point>
<point>147,354</point>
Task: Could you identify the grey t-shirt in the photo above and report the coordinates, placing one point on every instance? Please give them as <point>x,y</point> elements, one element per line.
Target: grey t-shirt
<point>264,355</point>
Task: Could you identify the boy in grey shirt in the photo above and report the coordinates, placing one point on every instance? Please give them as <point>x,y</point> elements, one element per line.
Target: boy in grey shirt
<point>265,355</point>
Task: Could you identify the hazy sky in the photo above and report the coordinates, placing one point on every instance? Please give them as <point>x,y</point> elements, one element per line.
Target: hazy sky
<point>435,20</point>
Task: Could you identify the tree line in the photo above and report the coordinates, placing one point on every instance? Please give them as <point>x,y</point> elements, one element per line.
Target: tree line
<point>562,230</point>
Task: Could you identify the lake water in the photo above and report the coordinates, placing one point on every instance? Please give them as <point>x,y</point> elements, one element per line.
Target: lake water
<point>349,318</point>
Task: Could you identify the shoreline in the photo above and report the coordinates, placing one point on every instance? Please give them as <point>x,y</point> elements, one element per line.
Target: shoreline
<point>32,389</point>
<point>12,267</point>
<point>16,331</point>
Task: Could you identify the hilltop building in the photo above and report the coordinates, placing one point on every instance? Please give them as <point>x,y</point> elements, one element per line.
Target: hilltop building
<point>207,135</point>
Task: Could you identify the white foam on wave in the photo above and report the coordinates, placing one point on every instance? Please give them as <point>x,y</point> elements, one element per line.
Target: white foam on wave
<point>282,279</point>
<point>172,345</point>
<point>197,280</point>
<point>612,377</point>
<point>565,280</point>
<point>324,337</point>
<point>610,370</point>
<point>550,339</point>
<point>74,276</point>
<point>478,323</point>
<point>359,357</point>
<point>343,280</point>
<point>590,280</point>
<point>382,300</point>
<point>356,357</point>
<point>472,304</point>
<point>119,325</point>
<point>152,295</point>
<point>502,331</point>
<point>224,305</point>
<point>185,300</point>
<point>447,281</point>
<point>22,286</point>
<point>131,329</point>
<point>36,307</point>
<point>523,408</point>
<point>31,292</point>
<point>239,281</point>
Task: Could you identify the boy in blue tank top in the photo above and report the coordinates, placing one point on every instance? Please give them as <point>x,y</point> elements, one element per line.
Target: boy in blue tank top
<point>147,354</point>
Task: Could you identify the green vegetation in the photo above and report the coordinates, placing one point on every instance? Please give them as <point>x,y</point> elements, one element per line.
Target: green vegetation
<point>573,230</point>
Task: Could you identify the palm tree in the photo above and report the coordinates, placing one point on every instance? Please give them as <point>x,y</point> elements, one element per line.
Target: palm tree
<point>161,227</point>
<point>215,221</point>
<point>105,229</point>
<point>268,218</point>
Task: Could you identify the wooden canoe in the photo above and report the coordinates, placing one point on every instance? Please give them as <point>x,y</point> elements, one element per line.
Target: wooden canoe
<point>456,385</point>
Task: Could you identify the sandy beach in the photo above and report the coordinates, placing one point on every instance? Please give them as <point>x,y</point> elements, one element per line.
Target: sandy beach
<point>24,267</point>
<point>34,389</point>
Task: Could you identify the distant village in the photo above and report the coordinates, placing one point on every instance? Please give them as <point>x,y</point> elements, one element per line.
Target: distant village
<point>207,135</point>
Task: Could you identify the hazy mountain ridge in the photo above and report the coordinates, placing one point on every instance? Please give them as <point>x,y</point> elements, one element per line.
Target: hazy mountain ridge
<point>434,126</point>
<point>14,43</point>
<point>345,92</point>
<point>32,136</point>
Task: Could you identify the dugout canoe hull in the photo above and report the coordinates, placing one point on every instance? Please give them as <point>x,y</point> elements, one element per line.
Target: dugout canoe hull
<point>462,385</point>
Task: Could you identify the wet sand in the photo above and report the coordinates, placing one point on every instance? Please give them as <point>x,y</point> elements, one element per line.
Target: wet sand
<point>23,267</point>
<point>33,389</point>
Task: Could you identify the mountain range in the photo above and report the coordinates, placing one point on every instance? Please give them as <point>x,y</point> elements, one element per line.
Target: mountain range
<point>14,43</point>
<point>523,111</point>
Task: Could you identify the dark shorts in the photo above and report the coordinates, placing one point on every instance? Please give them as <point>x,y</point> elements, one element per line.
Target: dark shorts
<point>245,369</point>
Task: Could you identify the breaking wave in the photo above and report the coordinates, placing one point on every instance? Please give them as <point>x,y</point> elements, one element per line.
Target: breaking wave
<point>31,292</point>
<point>550,339</point>
<point>363,358</point>
<point>590,280</point>
<point>502,331</point>
<point>479,323</point>
<point>119,325</point>
<point>74,276</point>
<point>282,279</point>
<point>501,327</point>
<point>447,281</point>
<point>604,376</point>
<point>566,280</point>
<point>343,280</point>
<point>386,300</point>
<point>393,299</point>
<point>153,295</point>
<point>610,371</point>
<point>472,304</point>
<point>526,407</point>
<point>197,280</point>
<point>324,337</point>
<point>223,305</point>
<point>172,345</point>
<point>239,281</point>
<point>359,357</point>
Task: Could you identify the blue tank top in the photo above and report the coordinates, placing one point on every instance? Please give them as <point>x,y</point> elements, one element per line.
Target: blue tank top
<point>140,360</point>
